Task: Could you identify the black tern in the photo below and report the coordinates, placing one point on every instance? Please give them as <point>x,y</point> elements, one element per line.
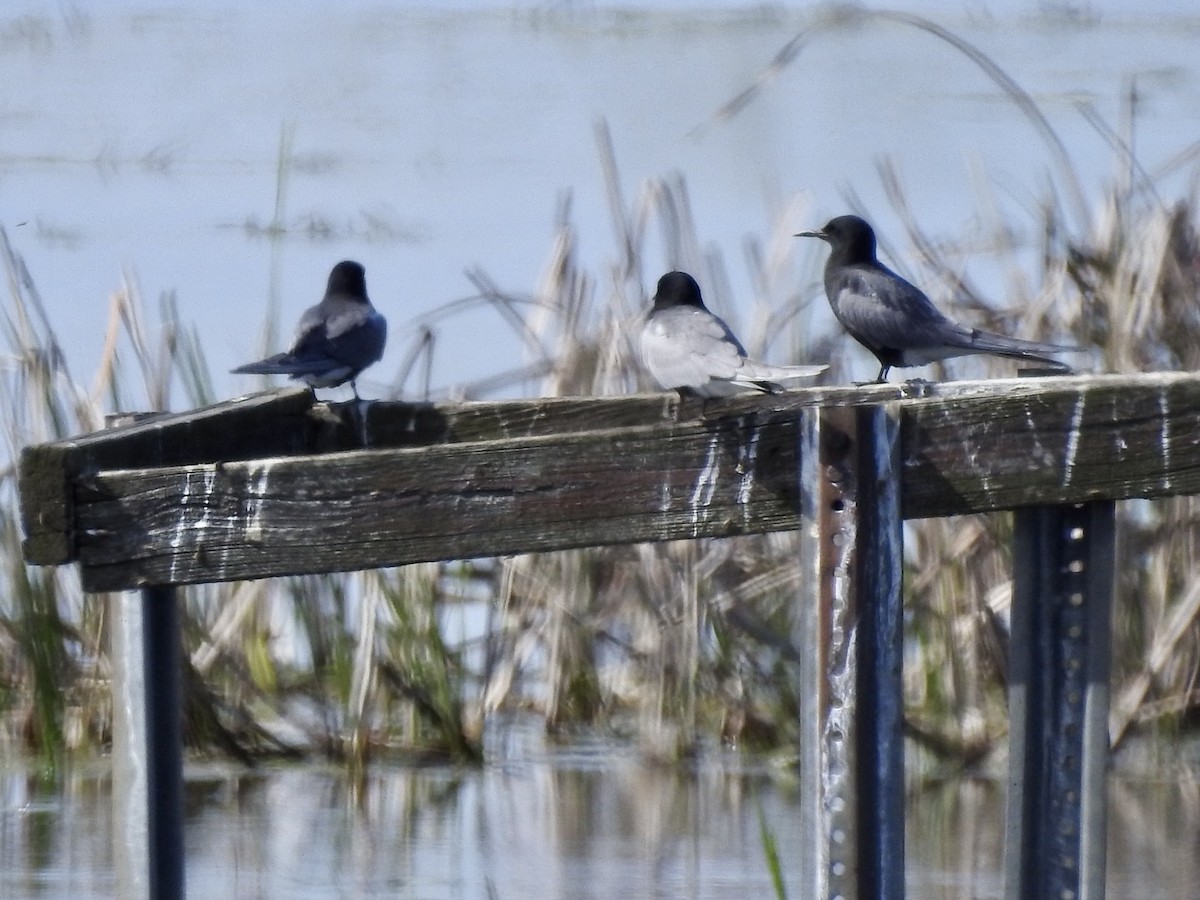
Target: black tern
<point>687,348</point>
<point>335,340</point>
<point>894,319</point>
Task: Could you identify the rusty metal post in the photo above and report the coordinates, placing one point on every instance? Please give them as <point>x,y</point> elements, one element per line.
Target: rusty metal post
<point>1063,560</point>
<point>849,630</point>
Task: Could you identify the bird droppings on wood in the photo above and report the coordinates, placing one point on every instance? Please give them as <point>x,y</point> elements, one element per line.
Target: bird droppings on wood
<point>186,523</point>
<point>259,484</point>
<point>1164,409</point>
<point>746,467</point>
<point>1073,439</point>
<point>706,484</point>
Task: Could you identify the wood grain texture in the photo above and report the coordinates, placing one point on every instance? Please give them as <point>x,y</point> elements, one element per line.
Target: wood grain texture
<point>1071,441</point>
<point>272,422</point>
<point>243,490</point>
<point>380,508</point>
<point>290,422</point>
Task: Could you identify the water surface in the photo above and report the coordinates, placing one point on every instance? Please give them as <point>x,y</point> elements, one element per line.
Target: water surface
<point>146,139</point>
<point>592,821</point>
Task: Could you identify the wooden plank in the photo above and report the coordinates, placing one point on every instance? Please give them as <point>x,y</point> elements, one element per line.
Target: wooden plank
<point>359,510</point>
<point>232,430</point>
<point>1069,441</point>
<point>288,422</point>
<point>968,447</point>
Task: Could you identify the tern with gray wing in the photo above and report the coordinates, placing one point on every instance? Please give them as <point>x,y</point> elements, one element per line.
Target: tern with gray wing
<point>687,348</point>
<point>335,340</point>
<point>894,319</point>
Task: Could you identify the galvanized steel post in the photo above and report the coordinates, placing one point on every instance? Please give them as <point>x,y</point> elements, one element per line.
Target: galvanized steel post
<point>147,749</point>
<point>1063,560</point>
<point>849,628</point>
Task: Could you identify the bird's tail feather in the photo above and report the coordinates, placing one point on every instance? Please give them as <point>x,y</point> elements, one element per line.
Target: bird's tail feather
<point>757,371</point>
<point>280,364</point>
<point>987,342</point>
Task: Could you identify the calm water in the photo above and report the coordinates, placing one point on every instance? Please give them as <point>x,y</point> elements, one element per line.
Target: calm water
<point>145,138</point>
<point>588,822</point>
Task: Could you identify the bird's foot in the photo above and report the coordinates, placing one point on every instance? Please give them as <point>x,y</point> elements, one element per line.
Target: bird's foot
<point>691,405</point>
<point>919,387</point>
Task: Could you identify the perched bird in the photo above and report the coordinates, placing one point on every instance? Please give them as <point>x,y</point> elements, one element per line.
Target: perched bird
<point>686,347</point>
<point>895,320</point>
<point>335,340</point>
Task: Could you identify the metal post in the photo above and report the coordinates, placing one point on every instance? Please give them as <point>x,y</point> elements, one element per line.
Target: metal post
<point>147,755</point>
<point>162,639</point>
<point>131,843</point>
<point>1064,559</point>
<point>849,626</point>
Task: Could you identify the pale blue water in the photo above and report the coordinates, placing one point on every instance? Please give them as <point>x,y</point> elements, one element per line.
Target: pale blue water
<point>145,137</point>
<point>588,822</point>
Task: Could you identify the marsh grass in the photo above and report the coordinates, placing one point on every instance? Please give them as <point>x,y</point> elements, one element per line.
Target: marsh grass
<point>676,644</point>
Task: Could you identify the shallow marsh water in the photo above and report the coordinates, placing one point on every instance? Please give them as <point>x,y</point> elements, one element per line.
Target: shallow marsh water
<point>590,821</point>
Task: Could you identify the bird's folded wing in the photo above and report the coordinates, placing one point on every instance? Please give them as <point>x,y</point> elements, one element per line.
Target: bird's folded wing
<point>689,347</point>
<point>335,344</point>
<point>890,312</point>
<point>334,316</point>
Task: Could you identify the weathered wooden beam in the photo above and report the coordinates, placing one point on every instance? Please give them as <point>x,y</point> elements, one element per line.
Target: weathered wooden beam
<point>1067,441</point>
<point>262,424</point>
<point>290,423</point>
<point>525,475</point>
<point>356,510</point>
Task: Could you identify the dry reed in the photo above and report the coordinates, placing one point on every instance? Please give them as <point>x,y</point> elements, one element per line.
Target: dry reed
<point>676,643</point>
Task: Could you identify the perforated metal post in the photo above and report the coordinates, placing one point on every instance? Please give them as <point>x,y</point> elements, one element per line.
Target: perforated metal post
<point>1064,558</point>
<point>849,630</point>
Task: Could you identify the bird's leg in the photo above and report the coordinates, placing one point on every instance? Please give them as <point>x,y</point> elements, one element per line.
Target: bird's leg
<point>881,378</point>
<point>354,387</point>
<point>688,399</point>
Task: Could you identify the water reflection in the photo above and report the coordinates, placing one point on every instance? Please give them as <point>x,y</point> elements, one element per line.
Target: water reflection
<point>55,843</point>
<point>955,836</point>
<point>589,821</point>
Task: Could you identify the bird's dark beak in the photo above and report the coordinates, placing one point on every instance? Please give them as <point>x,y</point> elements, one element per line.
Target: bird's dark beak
<point>816,234</point>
